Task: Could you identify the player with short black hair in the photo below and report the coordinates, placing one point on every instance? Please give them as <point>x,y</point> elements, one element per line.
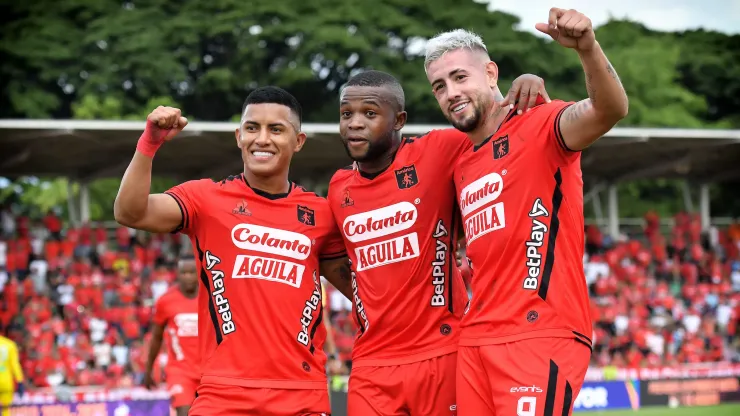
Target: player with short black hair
<point>398,216</point>
<point>261,244</point>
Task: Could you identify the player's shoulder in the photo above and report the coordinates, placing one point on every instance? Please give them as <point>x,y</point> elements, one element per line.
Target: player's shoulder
<point>342,174</point>
<point>545,110</point>
<point>170,295</point>
<point>304,196</point>
<point>208,184</point>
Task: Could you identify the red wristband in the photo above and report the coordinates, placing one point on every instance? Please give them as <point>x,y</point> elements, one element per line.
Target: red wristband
<point>147,144</point>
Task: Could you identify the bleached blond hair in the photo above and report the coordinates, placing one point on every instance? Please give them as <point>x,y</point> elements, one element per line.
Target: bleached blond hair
<point>450,41</point>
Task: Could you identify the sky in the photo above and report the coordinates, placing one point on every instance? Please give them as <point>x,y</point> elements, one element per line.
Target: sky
<point>668,15</point>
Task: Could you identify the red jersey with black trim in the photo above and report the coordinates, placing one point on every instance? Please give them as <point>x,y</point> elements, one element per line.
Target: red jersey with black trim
<point>521,198</point>
<point>178,314</point>
<point>259,301</point>
<point>400,228</point>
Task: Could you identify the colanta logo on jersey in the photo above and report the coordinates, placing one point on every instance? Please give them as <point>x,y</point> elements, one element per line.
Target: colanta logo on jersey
<point>271,241</point>
<point>187,324</point>
<point>378,223</point>
<point>479,194</point>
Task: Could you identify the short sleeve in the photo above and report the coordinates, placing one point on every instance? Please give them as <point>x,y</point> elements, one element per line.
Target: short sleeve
<point>551,114</point>
<point>333,247</point>
<point>160,312</point>
<point>188,196</point>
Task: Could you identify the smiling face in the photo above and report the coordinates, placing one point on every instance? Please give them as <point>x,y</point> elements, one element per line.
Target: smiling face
<point>463,82</point>
<point>369,119</point>
<point>268,137</point>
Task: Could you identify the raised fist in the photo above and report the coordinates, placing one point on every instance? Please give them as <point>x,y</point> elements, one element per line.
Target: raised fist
<point>569,28</point>
<point>165,122</point>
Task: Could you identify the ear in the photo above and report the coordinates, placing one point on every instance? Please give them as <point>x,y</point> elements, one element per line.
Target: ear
<point>300,141</point>
<point>238,135</point>
<point>401,117</point>
<point>492,74</point>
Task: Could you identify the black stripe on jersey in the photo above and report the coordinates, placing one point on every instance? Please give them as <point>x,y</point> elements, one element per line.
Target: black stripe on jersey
<point>552,385</point>
<point>205,280</point>
<point>316,324</point>
<point>557,199</point>
<point>583,337</point>
<point>183,213</point>
<point>453,256</point>
<point>559,133</point>
<point>568,399</point>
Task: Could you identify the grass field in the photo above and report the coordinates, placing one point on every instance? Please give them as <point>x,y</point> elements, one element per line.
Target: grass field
<point>723,410</point>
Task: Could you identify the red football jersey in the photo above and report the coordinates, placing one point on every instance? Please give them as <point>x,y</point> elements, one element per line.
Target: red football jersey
<point>259,301</point>
<point>179,316</point>
<point>521,197</point>
<point>400,228</point>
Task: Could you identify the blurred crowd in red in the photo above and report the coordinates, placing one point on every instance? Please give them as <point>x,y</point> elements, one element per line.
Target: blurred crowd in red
<point>78,302</point>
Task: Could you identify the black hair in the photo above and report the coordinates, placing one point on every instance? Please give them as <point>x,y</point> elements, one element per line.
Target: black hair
<point>374,78</point>
<point>274,95</point>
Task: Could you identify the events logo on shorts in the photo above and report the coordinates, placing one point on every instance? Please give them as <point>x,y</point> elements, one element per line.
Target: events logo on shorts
<point>270,241</point>
<point>378,223</point>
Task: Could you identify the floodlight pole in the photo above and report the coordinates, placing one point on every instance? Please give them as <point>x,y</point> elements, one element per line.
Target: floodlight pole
<point>84,202</point>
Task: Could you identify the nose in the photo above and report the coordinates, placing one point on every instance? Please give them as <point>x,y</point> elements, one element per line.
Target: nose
<point>453,92</point>
<point>263,138</point>
<point>355,123</point>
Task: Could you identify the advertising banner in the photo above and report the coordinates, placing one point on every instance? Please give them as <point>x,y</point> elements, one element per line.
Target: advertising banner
<point>111,408</point>
<point>608,395</point>
<point>703,391</point>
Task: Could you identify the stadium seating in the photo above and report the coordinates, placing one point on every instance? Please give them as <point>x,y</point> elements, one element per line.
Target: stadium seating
<point>79,303</point>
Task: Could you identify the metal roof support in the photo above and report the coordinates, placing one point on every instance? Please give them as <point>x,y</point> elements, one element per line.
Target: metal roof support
<point>71,205</point>
<point>613,209</point>
<point>84,202</point>
<point>704,208</point>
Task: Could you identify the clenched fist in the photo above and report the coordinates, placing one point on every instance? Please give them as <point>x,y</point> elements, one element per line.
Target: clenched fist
<point>165,122</point>
<point>569,28</point>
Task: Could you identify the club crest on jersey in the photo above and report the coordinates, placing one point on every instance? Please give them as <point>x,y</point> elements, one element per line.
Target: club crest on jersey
<point>306,215</point>
<point>241,209</point>
<point>406,177</point>
<point>347,201</point>
<point>501,147</point>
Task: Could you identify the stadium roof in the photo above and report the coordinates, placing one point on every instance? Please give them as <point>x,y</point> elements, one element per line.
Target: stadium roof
<point>86,150</point>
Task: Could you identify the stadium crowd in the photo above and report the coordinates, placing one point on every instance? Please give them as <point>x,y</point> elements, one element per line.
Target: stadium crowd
<point>78,303</point>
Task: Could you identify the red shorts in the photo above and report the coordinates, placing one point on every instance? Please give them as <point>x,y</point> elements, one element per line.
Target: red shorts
<point>422,388</point>
<point>182,390</point>
<point>531,377</point>
<point>215,399</point>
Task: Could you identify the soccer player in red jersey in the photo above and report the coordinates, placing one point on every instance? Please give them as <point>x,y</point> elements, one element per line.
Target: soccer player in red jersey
<point>397,210</point>
<point>177,312</point>
<point>525,338</point>
<point>261,243</point>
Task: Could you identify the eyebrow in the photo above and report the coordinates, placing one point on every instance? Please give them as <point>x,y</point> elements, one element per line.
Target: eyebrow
<point>453,72</point>
<point>372,101</point>
<point>274,124</point>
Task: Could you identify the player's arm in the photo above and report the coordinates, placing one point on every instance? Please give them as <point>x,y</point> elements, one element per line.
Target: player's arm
<point>155,345</point>
<point>585,122</point>
<point>337,271</point>
<point>135,207</point>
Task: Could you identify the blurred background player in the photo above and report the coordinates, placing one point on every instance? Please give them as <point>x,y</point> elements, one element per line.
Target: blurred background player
<point>526,338</point>
<point>11,376</point>
<point>176,312</point>
<point>261,242</point>
<point>400,224</point>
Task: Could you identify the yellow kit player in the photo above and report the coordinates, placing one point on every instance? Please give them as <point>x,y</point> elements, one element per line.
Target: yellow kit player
<point>10,374</point>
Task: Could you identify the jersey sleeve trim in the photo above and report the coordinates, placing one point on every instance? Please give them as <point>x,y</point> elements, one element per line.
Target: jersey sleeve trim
<point>333,256</point>
<point>183,213</point>
<point>559,133</point>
